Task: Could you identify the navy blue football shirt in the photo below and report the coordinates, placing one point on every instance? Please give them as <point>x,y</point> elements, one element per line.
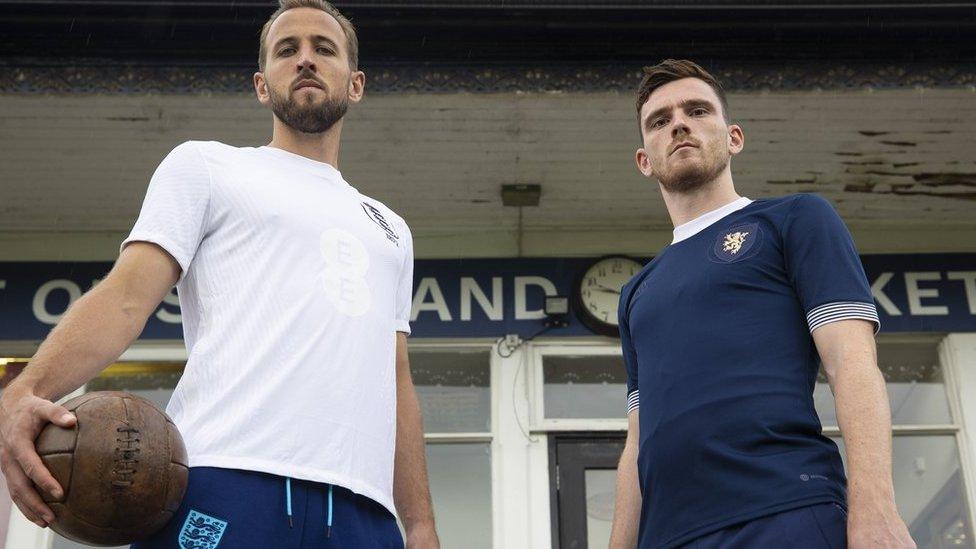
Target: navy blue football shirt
<point>716,337</point>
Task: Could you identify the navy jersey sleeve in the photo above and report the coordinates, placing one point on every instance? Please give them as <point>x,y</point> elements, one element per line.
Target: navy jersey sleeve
<point>627,346</point>
<point>824,266</point>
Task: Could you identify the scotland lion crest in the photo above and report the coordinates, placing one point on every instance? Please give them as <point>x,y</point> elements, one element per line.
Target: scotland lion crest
<point>734,243</point>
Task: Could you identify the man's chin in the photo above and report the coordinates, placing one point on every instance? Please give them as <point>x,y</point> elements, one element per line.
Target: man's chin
<point>302,97</point>
<point>685,180</point>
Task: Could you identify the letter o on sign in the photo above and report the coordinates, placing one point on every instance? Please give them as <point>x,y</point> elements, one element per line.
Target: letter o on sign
<point>40,299</point>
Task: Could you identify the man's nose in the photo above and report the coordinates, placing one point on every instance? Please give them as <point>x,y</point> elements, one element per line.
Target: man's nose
<point>679,127</point>
<point>305,62</point>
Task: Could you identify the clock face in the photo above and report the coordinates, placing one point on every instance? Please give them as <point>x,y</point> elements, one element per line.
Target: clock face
<point>599,291</point>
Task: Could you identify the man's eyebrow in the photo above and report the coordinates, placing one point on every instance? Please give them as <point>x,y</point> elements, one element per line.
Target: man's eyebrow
<point>695,103</point>
<point>286,40</point>
<point>293,40</point>
<point>685,105</point>
<point>320,38</point>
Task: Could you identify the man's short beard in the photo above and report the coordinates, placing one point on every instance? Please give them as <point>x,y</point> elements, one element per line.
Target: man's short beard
<point>311,117</point>
<point>691,180</point>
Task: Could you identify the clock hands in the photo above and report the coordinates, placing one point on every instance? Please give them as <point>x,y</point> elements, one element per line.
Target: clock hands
<point>605,289</point>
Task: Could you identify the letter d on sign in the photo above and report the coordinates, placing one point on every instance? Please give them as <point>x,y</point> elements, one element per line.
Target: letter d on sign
<point>521,284</point>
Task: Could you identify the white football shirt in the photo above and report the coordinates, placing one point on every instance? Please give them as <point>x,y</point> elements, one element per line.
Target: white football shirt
<point>293,287</point>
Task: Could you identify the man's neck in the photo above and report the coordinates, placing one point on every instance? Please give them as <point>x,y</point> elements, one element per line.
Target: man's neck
<point>323,147</point>
<point>684,207</point>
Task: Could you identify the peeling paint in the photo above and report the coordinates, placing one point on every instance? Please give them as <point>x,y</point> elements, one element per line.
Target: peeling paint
<point>946,179</point>
<point>886,174</point>
<point>899,143</point>
<point>867,133</point>
<point>959,196</point>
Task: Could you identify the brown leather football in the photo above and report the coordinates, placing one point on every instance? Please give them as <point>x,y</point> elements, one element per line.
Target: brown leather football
<point>123,468</point>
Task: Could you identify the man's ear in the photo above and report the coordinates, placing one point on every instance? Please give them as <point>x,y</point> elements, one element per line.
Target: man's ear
<point>737,140</point>
<point>644,163</point>
<point>357,86</point>
<point>261,88</point>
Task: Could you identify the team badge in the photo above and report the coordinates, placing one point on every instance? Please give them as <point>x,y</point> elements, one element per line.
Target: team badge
<point>201,531</point>
<point>377,217</point>
<point>734,243</point>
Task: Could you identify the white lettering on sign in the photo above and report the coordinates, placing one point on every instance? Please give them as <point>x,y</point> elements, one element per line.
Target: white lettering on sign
<point>877,291</point>
<point>521,284</point>
<point>915,294</point>
<point>166,316</point>
<point>968,279</point>
<point>493,308</point>
<point>438,304</point>
<point>40,299</point>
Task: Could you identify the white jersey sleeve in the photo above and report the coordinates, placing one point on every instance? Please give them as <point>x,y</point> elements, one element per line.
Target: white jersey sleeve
<point>404,294</point>
<point>174,212</point>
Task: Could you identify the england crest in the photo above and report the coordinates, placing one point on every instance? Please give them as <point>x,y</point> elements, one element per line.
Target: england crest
<point>201,531</point>
<point>734,243</point>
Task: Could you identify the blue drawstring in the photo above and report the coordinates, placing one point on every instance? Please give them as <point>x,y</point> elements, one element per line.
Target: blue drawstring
<point>288,500</point>
<point>291,524</point>
<point>328,531</point>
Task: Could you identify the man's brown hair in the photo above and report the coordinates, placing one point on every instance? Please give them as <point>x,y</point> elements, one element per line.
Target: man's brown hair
<point>670,70</point>
<point>351,40</point>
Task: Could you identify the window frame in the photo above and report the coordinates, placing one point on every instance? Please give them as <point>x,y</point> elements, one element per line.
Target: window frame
<point>539,423</point>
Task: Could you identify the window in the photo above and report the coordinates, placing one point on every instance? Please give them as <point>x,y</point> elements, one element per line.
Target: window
<point>454,388</point>
<point>929,487</point>
<point>582,387</point>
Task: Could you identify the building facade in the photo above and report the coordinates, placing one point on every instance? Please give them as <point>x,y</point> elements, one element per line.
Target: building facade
<point>870,105</point>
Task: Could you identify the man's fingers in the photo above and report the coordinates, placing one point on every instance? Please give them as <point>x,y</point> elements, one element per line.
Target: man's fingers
<point>58,415</point>
<point>29,502</point>
<point>32,466</point>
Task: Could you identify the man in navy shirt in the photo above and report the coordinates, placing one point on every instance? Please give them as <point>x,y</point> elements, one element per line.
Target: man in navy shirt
<point>723,334</point>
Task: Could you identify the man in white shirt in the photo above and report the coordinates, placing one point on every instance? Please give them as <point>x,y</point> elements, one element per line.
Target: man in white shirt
<point>297,407</point>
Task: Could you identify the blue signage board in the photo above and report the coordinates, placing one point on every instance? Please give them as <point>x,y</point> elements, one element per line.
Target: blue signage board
<point>493,297</point>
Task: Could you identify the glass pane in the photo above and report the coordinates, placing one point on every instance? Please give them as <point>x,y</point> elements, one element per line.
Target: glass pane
<point>460,486</point>
<point>61,543</point>
<point>916,388</point>
<point>929,490</point>
<point>454,390</point>
<point>582,386</point>
<point>600,497</point>
<point>153,381</point>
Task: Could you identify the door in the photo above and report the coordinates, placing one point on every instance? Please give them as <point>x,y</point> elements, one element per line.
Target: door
<point>583,472</point>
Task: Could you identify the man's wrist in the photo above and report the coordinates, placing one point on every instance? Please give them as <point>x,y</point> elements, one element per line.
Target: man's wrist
<point>419,525</point>
<point>15,392</point>
<point>422,535</point>
<point>872,502</point>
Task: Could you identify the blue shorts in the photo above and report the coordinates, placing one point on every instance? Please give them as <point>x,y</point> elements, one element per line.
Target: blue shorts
<point>821,526</point>
<point>231,508</point>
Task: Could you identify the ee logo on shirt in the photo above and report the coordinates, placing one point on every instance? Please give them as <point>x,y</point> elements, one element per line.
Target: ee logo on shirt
<point>346,263</point>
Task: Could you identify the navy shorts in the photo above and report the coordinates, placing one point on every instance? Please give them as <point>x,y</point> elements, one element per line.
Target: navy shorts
<point>230,508</point>
<point>821,526</point>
